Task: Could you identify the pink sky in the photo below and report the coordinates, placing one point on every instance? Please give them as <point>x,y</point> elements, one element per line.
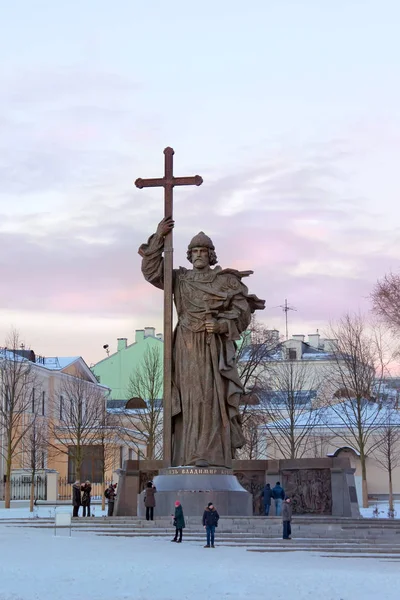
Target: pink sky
<point>298,148</point>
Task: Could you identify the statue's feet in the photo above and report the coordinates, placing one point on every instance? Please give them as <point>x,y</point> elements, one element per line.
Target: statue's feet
<point>201,463</point>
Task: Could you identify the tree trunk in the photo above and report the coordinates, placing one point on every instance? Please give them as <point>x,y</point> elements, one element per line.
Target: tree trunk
<point>103,489</point>
<point>7,489</point>
<point>78,466</point>
<point>391,507</point>
<point>364,482</point>
<point>32,494</point>
<point>150,447</point>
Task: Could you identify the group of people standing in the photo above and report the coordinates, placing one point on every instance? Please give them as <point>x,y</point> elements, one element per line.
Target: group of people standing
<point>210,522</point>
<point>210,516</point>
<point>283,506</point>
<point>81,496</point>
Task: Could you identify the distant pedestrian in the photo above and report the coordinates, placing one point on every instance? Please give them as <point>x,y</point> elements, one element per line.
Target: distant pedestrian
<point>179,522</point>
<point>149,500</point>
<point>86,491</point>
<point>210,522</point>
<point>278,494</point>
<point>110,494</point>
<point>267,495</point>
<point>76,498</point>
<point>287,518</point>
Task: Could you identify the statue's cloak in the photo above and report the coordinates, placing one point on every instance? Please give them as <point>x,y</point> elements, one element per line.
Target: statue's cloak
<point>206,388</point>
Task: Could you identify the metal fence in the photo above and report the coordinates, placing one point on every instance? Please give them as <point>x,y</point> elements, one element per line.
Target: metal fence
<point>65,489</point>
<point>21,487</point>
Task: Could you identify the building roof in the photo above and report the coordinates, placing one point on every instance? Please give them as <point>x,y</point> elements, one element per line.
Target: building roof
<point>51,363</point>
<point>327,417</point>
<point>57,363</point>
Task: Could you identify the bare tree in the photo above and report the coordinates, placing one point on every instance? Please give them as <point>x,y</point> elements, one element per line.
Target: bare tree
<point>254,360</point>
<point>79,409</point>
<point>386,300</point>
<point>290,409</point>
<point>359,362</point>
<point>106,438</point>
<point>387,445</point>
<point>35,445</point>
<point>146,386</point>
<point>18,385</point>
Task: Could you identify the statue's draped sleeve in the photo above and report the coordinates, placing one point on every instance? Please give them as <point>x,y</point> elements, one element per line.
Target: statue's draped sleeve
<point>152,260</point>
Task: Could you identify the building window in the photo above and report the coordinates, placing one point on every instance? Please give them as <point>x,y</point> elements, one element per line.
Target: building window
<point>43,403</point>
<point>33,400</point>
<point>91,467</point>
<point>43,460</point>
<point>130,454</point>
<point>292,354</point>
<point>121,457</point>
<point>61,408</point>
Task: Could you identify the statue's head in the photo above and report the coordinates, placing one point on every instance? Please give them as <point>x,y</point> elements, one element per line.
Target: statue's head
<point>201,251</point>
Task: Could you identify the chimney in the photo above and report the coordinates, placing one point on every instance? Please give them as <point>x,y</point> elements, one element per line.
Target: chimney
<point>313,340</point>
<point>299,338</point>
<point>160,336</point>
<point>139,335</point>
<point>149,332</point>
<point>330,345</point>
<point>121,344</point>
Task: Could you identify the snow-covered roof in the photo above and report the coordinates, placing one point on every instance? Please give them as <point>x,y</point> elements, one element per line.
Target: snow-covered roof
<point>54,363</point>
<point>51,363</point>
<point>279,397</point>
<point>373,414</point>
<point>57,363</point>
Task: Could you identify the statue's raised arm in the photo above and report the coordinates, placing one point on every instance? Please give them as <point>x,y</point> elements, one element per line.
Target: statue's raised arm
<point>152,254</point>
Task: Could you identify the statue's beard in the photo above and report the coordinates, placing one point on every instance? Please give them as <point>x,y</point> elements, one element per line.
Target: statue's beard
<point>199,263</point>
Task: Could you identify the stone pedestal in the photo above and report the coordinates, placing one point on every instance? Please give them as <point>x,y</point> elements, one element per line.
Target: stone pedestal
<point>127,489</point>
<point>195,487</point>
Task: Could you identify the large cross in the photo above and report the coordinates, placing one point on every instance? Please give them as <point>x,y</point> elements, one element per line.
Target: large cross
<point>168,182</point>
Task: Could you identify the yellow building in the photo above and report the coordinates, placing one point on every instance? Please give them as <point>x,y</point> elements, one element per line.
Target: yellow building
<point>58,423</point>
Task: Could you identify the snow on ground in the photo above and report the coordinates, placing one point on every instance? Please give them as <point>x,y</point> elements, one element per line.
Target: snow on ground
<point>21,511</point>
<point>36,565</point>
<point>383,508</point>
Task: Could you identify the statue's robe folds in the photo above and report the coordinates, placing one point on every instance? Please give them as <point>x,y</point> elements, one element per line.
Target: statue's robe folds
<point>206,388</point>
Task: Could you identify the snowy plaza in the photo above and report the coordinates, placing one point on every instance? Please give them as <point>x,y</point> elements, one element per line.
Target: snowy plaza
<point>36,564</point>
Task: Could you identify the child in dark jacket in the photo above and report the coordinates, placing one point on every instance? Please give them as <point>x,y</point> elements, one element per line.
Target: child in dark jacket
<point>179,522</point>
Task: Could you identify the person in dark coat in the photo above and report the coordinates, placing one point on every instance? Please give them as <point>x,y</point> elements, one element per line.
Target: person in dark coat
<point>287,518</point>
<point>210,522</point>
<point>267,496</point>
<point>86,491</point>
<point>76,498</point>
<point>179,522</point>
<point>149,500</point>
<point>110,494</point>
<point>278,494</point>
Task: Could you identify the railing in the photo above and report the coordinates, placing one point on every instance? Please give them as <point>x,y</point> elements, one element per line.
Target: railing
<point>21,487</point>
<point>65,489</point>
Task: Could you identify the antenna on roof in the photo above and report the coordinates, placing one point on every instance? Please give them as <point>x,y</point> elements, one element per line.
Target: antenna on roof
<point>285,307</point>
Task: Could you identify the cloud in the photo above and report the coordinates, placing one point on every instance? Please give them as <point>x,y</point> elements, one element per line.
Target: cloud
<point>86,261</point>
<point>71,220</point>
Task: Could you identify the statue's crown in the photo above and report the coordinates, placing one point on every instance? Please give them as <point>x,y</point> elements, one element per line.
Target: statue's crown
<point>201,240</point>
